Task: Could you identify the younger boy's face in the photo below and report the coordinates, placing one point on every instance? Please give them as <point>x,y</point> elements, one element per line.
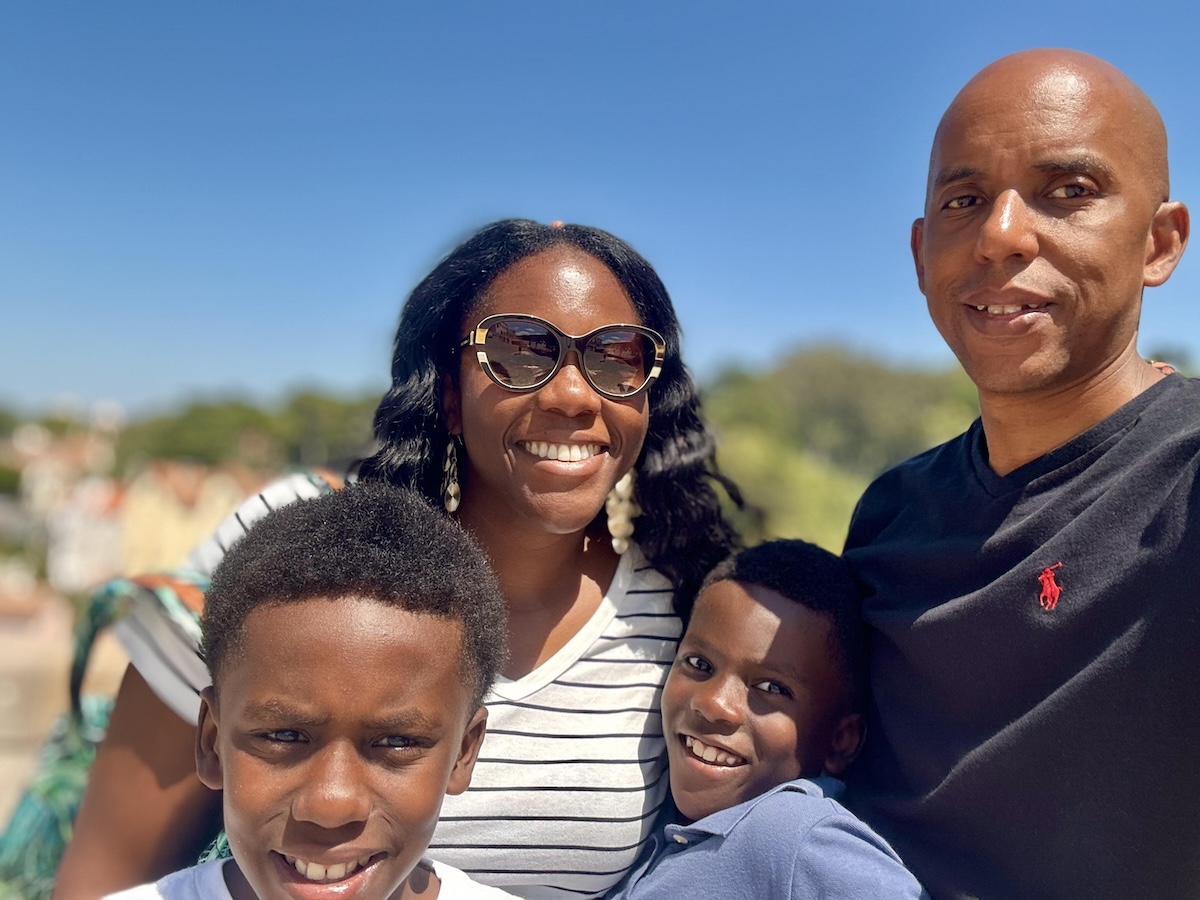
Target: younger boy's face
<point>335,735</point>
<point>753,699</point>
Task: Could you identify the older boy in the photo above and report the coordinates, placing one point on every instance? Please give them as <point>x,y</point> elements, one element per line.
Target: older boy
<point>350,639</point>
<point>761,713</point>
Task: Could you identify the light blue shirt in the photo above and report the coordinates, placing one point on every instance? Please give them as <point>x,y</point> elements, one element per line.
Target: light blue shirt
<point>794,841</point>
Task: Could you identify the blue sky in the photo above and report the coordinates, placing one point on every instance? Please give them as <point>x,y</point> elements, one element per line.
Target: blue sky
<point>215,198</point>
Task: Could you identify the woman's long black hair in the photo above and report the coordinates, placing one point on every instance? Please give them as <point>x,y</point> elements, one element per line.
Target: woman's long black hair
<point>682,530</point>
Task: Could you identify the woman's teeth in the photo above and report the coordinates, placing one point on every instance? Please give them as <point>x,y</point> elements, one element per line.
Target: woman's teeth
<point>566,452</point>
<point>711,754</point>
<point>317,872</point>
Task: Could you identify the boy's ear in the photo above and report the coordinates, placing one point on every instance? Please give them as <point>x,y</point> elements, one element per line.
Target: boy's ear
<point>208,762</point>
<point>847,740</point>
<point>460,775</point>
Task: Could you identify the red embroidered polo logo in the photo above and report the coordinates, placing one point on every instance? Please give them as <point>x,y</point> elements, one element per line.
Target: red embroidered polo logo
<point>1051,590</point>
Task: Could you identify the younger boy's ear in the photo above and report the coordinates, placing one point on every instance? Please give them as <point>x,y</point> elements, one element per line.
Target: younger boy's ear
<point>460,775</point>
<point>847,741</point>
<point>208,762</point>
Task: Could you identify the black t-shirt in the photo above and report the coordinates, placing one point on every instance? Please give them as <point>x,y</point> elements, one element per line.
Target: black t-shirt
<point>1035,724</point>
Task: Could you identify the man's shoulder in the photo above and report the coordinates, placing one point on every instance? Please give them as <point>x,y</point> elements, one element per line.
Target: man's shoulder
<point>1178,400</point>
<point>930,478</point>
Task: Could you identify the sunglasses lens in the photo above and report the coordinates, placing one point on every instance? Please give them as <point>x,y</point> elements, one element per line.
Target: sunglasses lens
<point>520,353</point>
<point>618,361</point>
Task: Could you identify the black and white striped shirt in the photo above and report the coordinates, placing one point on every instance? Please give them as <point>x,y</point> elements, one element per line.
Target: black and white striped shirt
<point>573,769</point>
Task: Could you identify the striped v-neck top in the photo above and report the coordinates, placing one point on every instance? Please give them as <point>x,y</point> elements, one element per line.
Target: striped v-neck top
<point>573,769</point>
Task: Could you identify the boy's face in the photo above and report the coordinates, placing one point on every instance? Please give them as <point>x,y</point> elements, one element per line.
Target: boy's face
<point>753,699</point>
<point>335,735</point>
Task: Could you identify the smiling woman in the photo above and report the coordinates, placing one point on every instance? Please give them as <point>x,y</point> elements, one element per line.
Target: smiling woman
<point>538,395</point>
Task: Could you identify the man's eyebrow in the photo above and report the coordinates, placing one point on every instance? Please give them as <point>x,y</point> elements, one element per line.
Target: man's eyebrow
<point>1084,164</point>
<point>962,173</point>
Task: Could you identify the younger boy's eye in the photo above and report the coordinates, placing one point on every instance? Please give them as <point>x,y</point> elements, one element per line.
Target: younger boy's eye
<point>699,663</point>
<point>772,687</point>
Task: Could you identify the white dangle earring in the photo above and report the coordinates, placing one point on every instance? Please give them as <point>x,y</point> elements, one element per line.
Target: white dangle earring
<point>451,493</point>
<point>622,509</point>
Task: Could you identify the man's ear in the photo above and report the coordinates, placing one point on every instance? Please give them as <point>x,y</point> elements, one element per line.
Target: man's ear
<point>208,761</point>
<point>846,742</point>
<point>451,406</point>
<point>917,243</point>
<point>1166,241</point>
<point>468,752</point>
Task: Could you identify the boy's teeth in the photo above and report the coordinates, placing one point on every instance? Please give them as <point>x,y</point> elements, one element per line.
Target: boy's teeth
<point>566,452</point>
<point>317,872</point>
<point>711,754</point>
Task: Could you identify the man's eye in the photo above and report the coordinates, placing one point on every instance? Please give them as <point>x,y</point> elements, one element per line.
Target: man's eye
<point>1070,192</point>
<point>772,687</point>
<point>962,202</point>
<point>699,663</point>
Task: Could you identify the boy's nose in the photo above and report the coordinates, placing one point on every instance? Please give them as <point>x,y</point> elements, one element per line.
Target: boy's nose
<point>720,701</point>
<point>335,791</point>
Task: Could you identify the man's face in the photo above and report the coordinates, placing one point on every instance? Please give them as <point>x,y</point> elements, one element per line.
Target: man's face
<point>338,728</point>
<point>1038,230</point>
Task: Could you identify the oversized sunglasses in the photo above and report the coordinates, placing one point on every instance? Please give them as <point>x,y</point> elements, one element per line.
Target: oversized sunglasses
<point>522,353</point>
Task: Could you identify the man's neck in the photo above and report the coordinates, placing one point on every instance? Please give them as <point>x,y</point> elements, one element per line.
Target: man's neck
<point>1023,427</point>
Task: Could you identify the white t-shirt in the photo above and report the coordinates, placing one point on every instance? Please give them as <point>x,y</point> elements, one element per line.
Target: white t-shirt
<point>207,882</point>
<point>573,769</point>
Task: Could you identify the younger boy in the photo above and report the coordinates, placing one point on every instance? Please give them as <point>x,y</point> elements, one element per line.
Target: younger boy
<point>351,639</point>
<point>761,712</point>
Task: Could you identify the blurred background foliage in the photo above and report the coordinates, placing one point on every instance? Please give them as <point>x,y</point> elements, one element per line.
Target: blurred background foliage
<point>802,437</point>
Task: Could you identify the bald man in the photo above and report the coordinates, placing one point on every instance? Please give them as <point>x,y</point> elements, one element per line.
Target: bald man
<point>1034,585</point>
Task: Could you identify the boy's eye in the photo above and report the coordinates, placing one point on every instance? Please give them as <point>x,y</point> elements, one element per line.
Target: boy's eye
<point>772,687</point>
<point>396,742</point>
<point>699,663</point>
<point>284,736</point>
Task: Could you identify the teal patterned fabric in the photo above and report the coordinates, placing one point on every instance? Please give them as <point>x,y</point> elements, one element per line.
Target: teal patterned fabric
<point>33,843</point>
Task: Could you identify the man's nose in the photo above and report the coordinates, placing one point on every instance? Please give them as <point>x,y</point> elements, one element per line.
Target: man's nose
<point>1008,231</point>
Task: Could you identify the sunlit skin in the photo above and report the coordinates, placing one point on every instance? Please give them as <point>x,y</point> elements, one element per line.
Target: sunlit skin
<point>533,510</point>
<point>1047,205</point>
<point>335,734</point>
<point>754,680</point>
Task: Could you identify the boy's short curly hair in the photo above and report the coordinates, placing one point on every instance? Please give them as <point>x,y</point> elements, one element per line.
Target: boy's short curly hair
<point>819,580</point>
<point>370,541</point>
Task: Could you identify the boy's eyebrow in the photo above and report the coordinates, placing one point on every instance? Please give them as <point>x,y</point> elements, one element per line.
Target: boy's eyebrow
<point>274,709</point>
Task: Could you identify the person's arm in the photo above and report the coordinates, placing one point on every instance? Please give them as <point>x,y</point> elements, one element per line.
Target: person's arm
<point>144,813</point>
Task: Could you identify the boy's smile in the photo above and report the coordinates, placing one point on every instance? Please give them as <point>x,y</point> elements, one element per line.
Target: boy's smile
<point>753,699</point>
<point>338,726</point>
